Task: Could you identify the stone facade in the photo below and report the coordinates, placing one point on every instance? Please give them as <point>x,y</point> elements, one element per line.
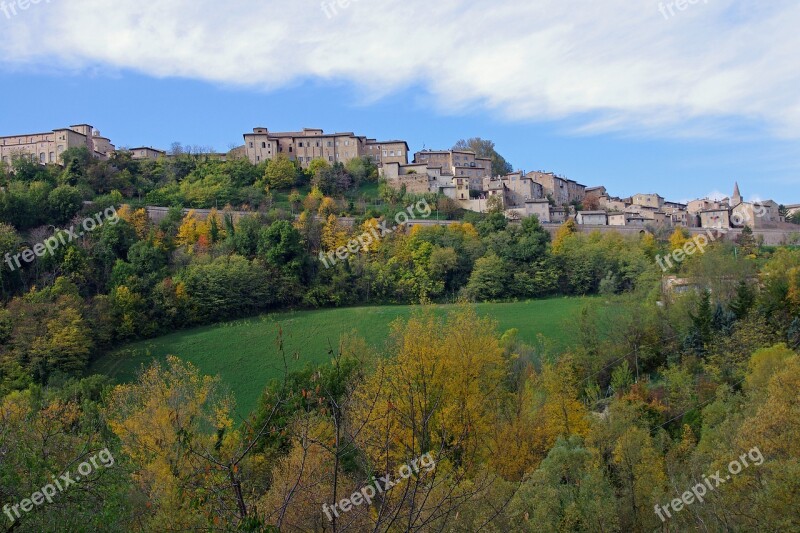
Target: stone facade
<point>47,147</point>
<point>461,163</point>
<point>521,188</point>
<point>383,152</point>
<point>648,200</point>
<point>561,190</point>
<point>592,218</point>
<point>309,144</point>
<point>146,152</point>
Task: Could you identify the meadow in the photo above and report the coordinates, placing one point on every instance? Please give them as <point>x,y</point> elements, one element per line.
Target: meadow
<point>244,353</point>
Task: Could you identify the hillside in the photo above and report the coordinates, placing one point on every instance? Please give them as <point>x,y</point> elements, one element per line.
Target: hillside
<point>244,352</point>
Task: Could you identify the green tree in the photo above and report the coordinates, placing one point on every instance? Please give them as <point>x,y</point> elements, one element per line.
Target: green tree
<point>566,493</point>
<point>489,280</point>
<point>64,202</point>
<point>281,173</point>
<point>486,149</point>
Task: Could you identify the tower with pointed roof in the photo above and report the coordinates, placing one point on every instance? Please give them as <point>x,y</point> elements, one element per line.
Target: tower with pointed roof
<point>736,199</point>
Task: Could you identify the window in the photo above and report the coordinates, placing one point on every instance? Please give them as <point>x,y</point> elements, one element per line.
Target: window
<point>52,156</point>
<point>263,145</point>
<point>385,153</point>
<point>42,159</point>
<point>391,153</point>
<point>317,144</point>
<point>347,143</point>
<point>300,145</point>
<point>251,145</point>
<point>290,149</point>
<point>330,143</point>
<point>258,158</point>
<point>330,158</point>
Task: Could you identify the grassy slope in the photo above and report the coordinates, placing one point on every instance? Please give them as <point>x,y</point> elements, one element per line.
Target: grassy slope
<point>245,355</point>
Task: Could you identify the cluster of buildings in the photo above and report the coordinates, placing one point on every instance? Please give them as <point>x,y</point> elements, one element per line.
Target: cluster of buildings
<point>460,175</point>
<point>47,147</point>
<point>468,180</point>
<point>309,144</point>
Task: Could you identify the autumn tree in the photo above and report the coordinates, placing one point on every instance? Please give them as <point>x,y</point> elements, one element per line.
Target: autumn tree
<point>281,173</point>
<point>438,396</point>
<point>486,149</point>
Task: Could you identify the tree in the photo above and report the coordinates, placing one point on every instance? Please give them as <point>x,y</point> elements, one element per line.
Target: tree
<point>316,166</point>
<point>564,233</point>
<point>333,180</point>
<point>566,493</point>
<point>438,396</point>
<point>747,241</point>
<point>490,280</point>
<point>64,202</point>
<point>164,421</point>
<point>486,149</point>
<point>493,223</point>
<point>280,246</point>
<point>678,238</point>
<point>281,173</point>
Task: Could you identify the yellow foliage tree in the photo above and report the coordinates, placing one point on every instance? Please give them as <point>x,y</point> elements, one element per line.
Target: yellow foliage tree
<point>327,207</point>
<point>178,433</point>
<point>678,238</point>
<point>563,414</point>
<point>313,199</point>
<point>191,229</point>
<point>333,235</point>
<point>567,230</point>
<point>442,393</point>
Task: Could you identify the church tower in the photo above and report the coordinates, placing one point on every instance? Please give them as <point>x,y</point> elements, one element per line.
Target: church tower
<point>737,197</point>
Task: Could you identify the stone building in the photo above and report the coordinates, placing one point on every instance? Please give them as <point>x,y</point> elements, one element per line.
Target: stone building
<point>146,152</point>
<point>561,190</point>
<point>309,144</point>
<point>592,218</point>
<point>383,152</point>
<point>47,147</point>
<point>521,188</point>
<point>648,200</point>
<point>461,163</point>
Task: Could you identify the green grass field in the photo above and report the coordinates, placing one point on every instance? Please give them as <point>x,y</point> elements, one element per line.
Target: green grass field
<point>245,355</point>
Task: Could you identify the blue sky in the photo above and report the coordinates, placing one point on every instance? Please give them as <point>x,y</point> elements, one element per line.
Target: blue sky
<point>608,95</point>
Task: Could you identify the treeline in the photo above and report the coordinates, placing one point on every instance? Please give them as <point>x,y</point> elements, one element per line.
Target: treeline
<point>601,438</point>
<point>136,279</point>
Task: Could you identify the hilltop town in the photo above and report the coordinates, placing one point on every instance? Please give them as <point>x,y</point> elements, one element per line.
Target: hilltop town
<point>462,175</point>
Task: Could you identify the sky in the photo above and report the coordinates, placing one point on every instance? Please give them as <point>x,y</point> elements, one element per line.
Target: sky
<point>681,97</point>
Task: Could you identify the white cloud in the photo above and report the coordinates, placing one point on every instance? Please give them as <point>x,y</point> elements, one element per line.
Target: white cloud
<point>615,65</point>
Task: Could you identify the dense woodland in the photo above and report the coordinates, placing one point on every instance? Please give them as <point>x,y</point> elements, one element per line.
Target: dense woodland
<point>658,390</point>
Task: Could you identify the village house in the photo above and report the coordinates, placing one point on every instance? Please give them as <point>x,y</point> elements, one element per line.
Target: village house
<point>461,163</point>
<point>560,190</point>
<point>47,147</point>
<point>592,218</point>
<point>311,143</point>
<point>146,152</point>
